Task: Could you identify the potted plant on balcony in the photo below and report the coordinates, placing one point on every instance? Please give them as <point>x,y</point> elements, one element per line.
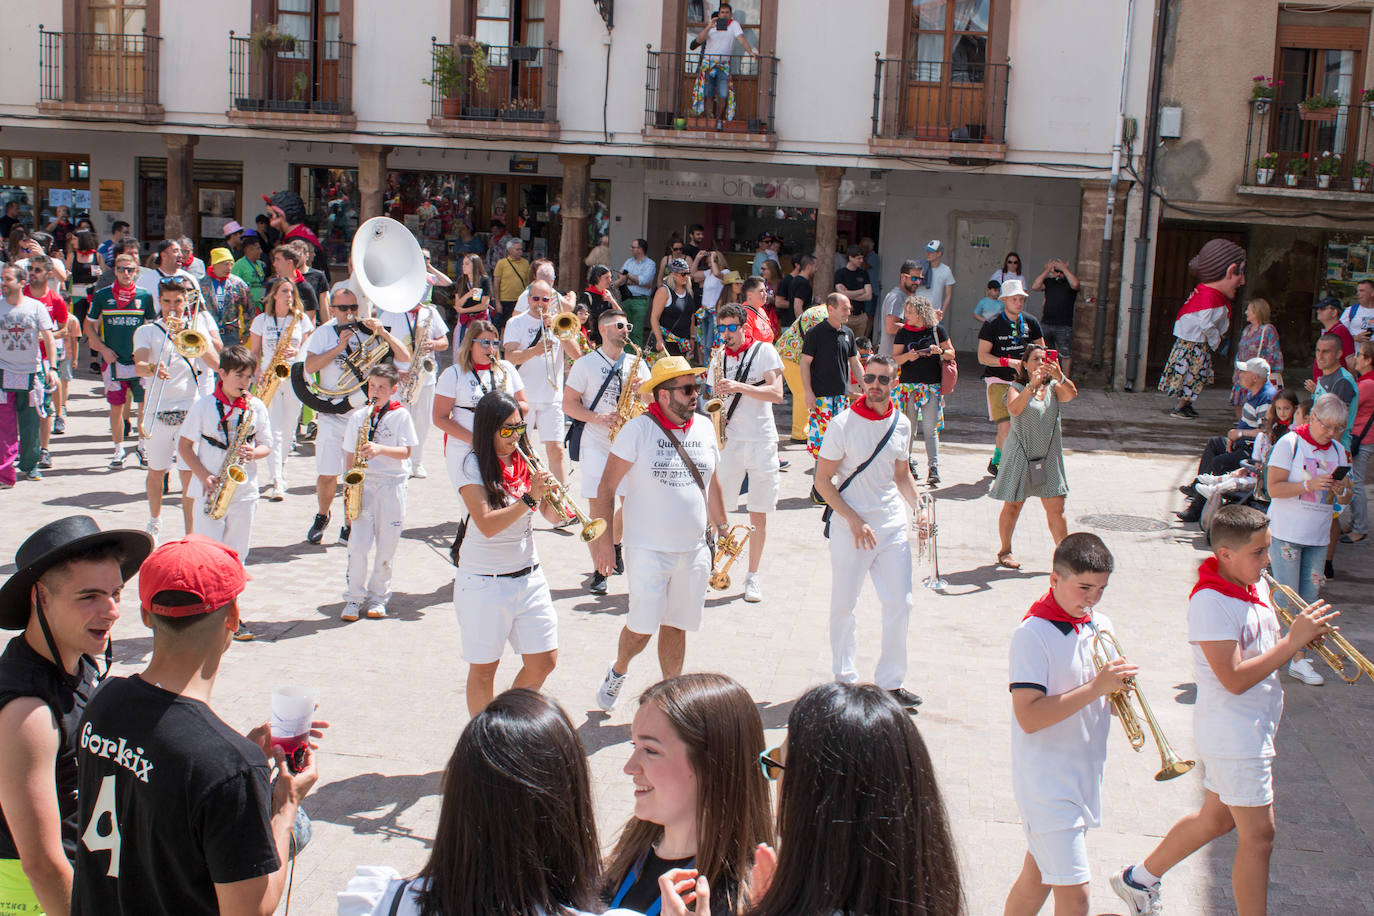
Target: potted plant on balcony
<point>523,52</point>
<point>1262,92</point>
<point>299,84</point>
<point>1296,168</point>
<point>1320,107</point>
<point>449,76</point>
<point>1328,165</point>
<point>1359,174</point>
<point>1264,168</point>
<point>268,38</point>
<point>521,110</point>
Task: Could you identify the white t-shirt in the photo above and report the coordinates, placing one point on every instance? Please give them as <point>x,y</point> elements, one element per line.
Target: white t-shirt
<point>1226,724</point>
<point>721,42</point>
<point>586,377</point>
<point>1057,771</point>
<point>149,277</point>
<point>711,288</point>
<point>270,328</point>
<point>189,379</point>
<point>939,278</point>
<point>894,304</point>
<point>522,302</point>
<point>1358,320</point>
<point>660,489</point>
<point>202,420</point>
<point>403,326</point>
<point>753,419</point>
<point>850,439</point>
<point>1306,518</point>
<point>521,332</point>
<point>19,336</point>
<point>395,428</point>
<point>467,388</point>
<point>509,549</point>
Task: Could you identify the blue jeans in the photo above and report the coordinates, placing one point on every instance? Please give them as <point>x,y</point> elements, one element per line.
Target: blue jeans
<point>716,84</point>
<point>1298,566</point>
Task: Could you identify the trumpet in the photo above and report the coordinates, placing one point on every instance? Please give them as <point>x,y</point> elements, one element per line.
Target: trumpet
<point>557,496</point>
<point>189,344</point>
<point>1291,606</point>
<point>562,326</point>
<point>927,528</point>
<point>728,548</point>
<point>1105,648</point>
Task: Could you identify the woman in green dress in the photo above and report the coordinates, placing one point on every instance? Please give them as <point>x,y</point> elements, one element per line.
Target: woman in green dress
<point>1033,456</point>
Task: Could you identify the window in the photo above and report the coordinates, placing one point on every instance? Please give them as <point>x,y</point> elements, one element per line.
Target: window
<point>1318,55</point>
<point>949,40</point>
<point>41,183</point>
<point>111,56</point>
<point>116,17</point>
<point>501,23</point>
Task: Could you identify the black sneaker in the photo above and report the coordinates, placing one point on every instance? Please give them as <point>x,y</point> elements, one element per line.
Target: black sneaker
<point>598,584</point>
<point>44,458</point>
<point>619,560</point>
<point>933,479</point>
<point>915,468</point>
<point>344,532</point>
<point>127,429</point>
<point>316,534</point>
<point>243,634</point>
<point>1329,570</point>
<point>1188,490</point>
<point>1178,413</point>
<point>905,698</point>
<point>1192,514</point>
<point>308,434</point>
<point>1188,409</point>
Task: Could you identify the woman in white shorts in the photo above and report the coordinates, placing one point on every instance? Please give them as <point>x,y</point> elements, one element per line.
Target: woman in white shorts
<point>477,369</point>
<point>499,593</point>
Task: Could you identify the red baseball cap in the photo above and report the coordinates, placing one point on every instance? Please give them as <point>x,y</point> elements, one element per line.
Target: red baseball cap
<point>197,565</point>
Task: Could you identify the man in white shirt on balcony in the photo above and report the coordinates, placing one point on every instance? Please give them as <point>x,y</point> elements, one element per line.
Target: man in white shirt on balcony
<point>719,37</point>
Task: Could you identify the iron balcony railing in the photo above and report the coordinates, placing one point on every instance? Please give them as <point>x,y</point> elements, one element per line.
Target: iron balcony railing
<point>1289,146</point>
<point>940,100</point>
<point>91,67</point>
<point>676,92</point>
<point>480,82</point>
<point>291,75</point>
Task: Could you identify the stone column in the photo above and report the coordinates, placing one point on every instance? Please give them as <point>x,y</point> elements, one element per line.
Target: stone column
<point>181,208</point>
<point>572,246</point>
<point>827,216</point>
<point>371,179</point>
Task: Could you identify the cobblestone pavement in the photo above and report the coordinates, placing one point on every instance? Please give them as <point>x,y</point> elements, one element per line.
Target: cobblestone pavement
<point>393,689</point>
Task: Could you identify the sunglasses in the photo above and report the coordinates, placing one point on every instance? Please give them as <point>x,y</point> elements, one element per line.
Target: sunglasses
<point>1013,261</point>
<point>770,762</point>
<point>689,388</point>
<point>489,344</point>
<point>510,432</point>
<point>729,328</point>
<point>126,270</point>
<point>677,249</point>
<point>345,308</point>
<point>623,326</point>
<point>871,377</point>
<point>541,298</point>
<point>171,283</point>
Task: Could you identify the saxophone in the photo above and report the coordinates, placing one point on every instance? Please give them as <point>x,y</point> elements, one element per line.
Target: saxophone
<point>231,472</point>
<point>353,478</point>
<point>278,370</point>
<point>411,382</point>
<point>715,371</point>
<point>628,405</point>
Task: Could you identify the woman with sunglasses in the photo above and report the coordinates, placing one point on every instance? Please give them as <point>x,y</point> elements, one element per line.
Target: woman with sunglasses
<point>499,593</point>
<point>672,312</point>
<point>701,801</point>
<point>477,370</point>
<point>1011,270</point>
<point>283,316</point>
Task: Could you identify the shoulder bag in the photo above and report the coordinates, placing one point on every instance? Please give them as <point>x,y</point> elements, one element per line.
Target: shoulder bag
<point>573,440</point>
<point>696,476</point>
<point>949,372</point>
<point>882,443</point>
<point>400,895</point>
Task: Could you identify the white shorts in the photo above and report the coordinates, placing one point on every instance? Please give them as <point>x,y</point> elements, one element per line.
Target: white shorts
<point>591,462</point>
<point>759,459</point>
<point>666,589</point>
<point>1246,782</point>
<point>493,611</point>
<point>329,444</point>
<point>1061,855</point>
<point>161,447</point>
<point>547,421</point>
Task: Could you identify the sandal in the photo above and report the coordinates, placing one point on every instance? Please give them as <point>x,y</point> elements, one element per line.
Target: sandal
<point>1351,539</point>
<point>1004,559</point>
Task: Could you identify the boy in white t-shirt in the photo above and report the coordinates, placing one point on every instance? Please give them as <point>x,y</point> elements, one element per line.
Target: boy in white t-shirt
<point>1237,652</point>
<point>1060,726</point>
<point>390,438</point>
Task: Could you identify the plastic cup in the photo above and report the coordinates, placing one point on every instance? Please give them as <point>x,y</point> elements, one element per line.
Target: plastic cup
<point>293,709</point>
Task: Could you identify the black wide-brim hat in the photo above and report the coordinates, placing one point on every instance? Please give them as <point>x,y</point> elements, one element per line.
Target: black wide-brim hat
<point>54,543</point>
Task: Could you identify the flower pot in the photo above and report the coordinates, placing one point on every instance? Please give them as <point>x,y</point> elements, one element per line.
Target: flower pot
<point>450,108</point>
<point>480,113</point>
<point>1324,181</point>
<point>1264,176</point>
<point>1359,183</point>
<point>1261,105</point>
<point>1290,180</point>
<point>522,52</point>
<point>1317,114</point>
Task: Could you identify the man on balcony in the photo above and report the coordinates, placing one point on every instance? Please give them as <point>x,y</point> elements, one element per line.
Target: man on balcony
<point>713,75</point>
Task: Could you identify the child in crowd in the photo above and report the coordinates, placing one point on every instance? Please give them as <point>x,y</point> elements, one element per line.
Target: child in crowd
<point>390,437</point>
<point>1237,652</point>
<point>989,306</point>
<point>1059,736</point>
<point>865,347</point>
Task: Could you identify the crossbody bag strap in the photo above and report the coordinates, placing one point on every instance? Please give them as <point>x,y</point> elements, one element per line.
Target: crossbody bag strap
<point>1364,432</point>
<point>882,443</point>
<point>606,382</point>
<point>696,475</point>
<point>741,373</point>
<point>400,895</point>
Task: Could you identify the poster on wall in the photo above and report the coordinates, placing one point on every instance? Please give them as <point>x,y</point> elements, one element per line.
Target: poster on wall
<point>1349,259</point>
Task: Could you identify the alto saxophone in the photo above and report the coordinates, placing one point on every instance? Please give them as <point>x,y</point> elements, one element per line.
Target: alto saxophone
<point>353,478</point>
<point>715,371</point>
<point>231,472</point>
<point>411,382</point>
<point>278,370</point>
<point>628,405</point>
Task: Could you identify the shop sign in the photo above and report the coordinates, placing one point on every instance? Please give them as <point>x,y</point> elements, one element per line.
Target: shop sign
<point>786,191</point>
<point>528,165</point>
<point>111,194</point>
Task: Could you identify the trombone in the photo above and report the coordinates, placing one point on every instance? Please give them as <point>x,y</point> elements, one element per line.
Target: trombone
<point>557,496</point>
<point>1288,604</point>
<point>562,326</point>
<point>189,344</point>
<point>728,549</point>
<point>1106,648</point>
<point>927,528</point>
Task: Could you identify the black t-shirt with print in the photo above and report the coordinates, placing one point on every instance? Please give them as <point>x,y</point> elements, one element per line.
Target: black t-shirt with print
<point>173,802</point>
<point>643,891</point>
<point>1008,339</point>
<point>925,370</point>
<point>1059,300</point>
<point>830,350</point>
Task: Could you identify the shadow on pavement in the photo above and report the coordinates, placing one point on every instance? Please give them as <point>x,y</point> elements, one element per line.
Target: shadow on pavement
<point>351,802</point>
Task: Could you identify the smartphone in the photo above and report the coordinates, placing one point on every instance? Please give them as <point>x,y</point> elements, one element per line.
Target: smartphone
<point>1340,472</point>
<point>722,24</point>
<point>1051,356</point>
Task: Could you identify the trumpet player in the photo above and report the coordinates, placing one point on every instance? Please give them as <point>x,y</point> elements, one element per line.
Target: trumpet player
<point>386,452</point>
<point>283,316</point>
<point>1237,654</point>
<point>1061,718</point>
<point>532,347</point>
<point>423,319</point>
<point>750,383</point>
<point>175,380</point>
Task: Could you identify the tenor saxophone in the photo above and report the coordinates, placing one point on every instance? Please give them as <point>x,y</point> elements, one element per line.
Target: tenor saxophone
<point>628,405</point>
<point>411,382</point>
<point>353,478</point>
<point>231,472</point>
<point>715,371</point>
<point>278,370</point>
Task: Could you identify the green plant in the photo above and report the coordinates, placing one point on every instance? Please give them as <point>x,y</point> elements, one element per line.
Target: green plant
<point>1360,169</point>
<point>1267,161</point>
<point>1264,87</point>
<point>299,84</point>
<point>1328,164</point>
<point>268,37</point>
<point>448,71</point>
<point>1367,97</point>
<point>1323,101</point>
<point>1298,165</point>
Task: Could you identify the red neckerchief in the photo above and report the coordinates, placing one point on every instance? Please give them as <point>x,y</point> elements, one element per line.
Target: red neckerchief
<point>861,408</point>
<point>1204,298</point>
<point>1047,608</point>
<point>515,477</point>
<point>241,402</point>
<point>189,261</point>
<point>1305,434</point>
<point>481,367</point>
<point>1209,577</point>
<point>390,405</point>
<point>298,278</point>
<point>736,354</point>
<point>907,327</point>
<point>596,291</point>
<point>123,295</point>
<point>668,424</point>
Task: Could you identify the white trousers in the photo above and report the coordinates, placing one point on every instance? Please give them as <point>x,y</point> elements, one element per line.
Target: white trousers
<point>377,527</point>
<point>889,565</point>
<point>285,413</point>
<point>422,415</point>
<point>232,531</point>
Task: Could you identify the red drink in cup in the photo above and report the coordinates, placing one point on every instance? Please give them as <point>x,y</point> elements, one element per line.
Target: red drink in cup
<point>293,709</point>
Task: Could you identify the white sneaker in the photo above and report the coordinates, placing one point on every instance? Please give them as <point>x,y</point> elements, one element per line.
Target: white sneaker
<point>351,611</point>
<point>1143,901</point>
<point>117,461</point>
<point>609,691</point>
<point>1301,668</point>
<point>419,472</point>
<point>153,527</point>
<point>277,492</point>
<point>375,610</point>
<point>752,590</point>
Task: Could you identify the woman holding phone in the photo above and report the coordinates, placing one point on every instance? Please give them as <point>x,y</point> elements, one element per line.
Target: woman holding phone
<point>471,294</point>
<point>921,347</point>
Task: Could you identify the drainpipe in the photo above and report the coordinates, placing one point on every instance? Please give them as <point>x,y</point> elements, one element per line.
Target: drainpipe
<point>1104,271</point>
<point>1150,140</point>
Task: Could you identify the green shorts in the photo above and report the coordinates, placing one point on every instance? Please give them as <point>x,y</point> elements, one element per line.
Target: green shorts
<point>16,894</point>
